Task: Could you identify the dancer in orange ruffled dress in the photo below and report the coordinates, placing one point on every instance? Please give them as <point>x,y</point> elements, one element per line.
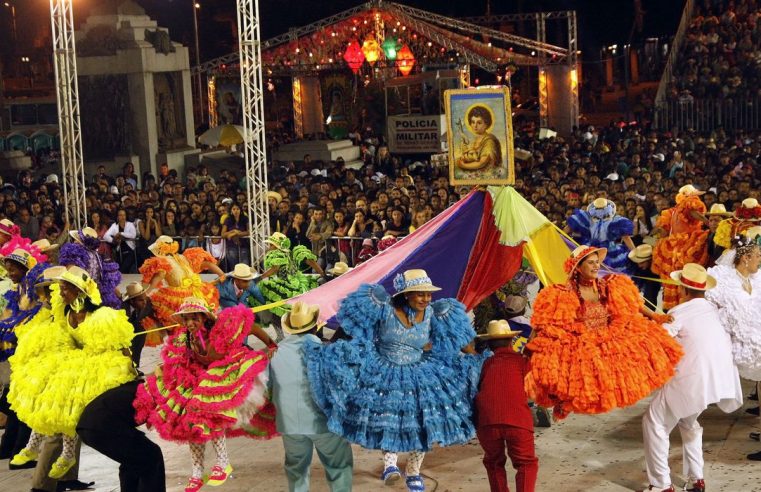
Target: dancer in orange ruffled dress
<point>173,277</point>
<point>684,239</point>
<point>596,346</point>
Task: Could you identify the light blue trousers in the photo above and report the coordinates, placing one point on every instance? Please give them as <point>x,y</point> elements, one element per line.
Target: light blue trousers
<point>334,453</point>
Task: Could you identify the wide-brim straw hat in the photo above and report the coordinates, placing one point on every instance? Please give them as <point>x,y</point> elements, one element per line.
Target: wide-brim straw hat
<point>50,275</point>
<point>275,196</point>
<point>301,318</point>
<point>8,227</point>
<point>749,210</point>
<point>416,280</point>
<point>641,253</point>
<point>498,329</point>
<point>134,289</point>
<point>242,272</point>
<point>45,246</point>
<point>77,235</point>
<point>689,190</point>
<point>194,305</point>
<point>339,268</point>
<point>578,255</point>
<point>22,257</point>
<point>719,209</point>
<point>80,279</point>
<point>694,276</point>
<point>160,241</point>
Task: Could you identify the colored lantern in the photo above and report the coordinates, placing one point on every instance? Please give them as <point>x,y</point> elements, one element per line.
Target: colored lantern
<point>371,50</point>
<point>390,48</point>
<point>405,60</point>
<point>354,56</point>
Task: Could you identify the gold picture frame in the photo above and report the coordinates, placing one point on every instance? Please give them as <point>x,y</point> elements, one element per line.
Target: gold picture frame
<point>480,136</point>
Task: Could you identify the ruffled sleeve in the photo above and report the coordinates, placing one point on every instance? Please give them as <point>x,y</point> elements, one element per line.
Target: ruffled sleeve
<point>451,329</point>
<point>275,258</point>
<point>620,227</point>
<point>360,312</point>
<point>196,257</point>
<point>232,328</point>
<point>555,307</point>
<point>624,299</point>
<point>152,266</point>
<point>74,254</point>
<point>664,220</point>
<point>693,203</point>
<point>106,329</point>
<point>723,236</point>
<point>580,224</point>
<point>301,254</point>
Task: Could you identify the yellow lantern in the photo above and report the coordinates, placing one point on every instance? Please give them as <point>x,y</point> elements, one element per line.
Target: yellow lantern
<point>371,49</point>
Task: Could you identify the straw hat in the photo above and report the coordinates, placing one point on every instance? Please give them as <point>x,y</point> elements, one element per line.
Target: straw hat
<point>44,245</point>
<point>339,269</point>
<point>302,317</point>
<point>49,275</point>
<point>752,232</point>
<point>194,305</point>
<point>580,253</point>
<point>275,196</point>
<point>515,304</point>
<point>694,276</point>
<point>134,289</point>
<point>22,257</point>
<point>279,240</point>
<point>155,248</point>
<point>80,279</point>
<point>718,209</point>
<point>641,253</point>
<point>689,190</point>
<point>749,209</point>
<point>413,281</point>
<point>8,227</point>
<point>242,272</point>
<point>79,235</point>
<point>498,329</point>
<point>600,203</point>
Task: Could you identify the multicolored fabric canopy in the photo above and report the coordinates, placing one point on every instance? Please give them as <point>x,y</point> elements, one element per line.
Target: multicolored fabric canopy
<point>470,250</point>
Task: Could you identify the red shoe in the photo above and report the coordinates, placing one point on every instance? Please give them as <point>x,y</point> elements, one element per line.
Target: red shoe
<point>698,486</point>
<point>194,485</point>
<point>670,488</point>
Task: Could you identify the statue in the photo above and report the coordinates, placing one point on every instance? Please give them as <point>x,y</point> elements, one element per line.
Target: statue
<point>160,40</point>
<point>167,116</point>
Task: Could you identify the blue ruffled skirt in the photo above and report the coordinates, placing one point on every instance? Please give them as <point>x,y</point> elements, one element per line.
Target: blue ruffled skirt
<point>379,404</point>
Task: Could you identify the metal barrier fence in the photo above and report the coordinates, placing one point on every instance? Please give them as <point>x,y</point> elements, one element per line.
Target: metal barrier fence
<point>709,114</point>
<point>676,46</point>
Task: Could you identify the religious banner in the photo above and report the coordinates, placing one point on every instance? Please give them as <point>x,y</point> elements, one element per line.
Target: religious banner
<point>480,131</point>
<point>415,134</point>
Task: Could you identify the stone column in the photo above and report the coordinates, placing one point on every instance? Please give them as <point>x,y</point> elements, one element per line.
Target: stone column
<point>146,142</point>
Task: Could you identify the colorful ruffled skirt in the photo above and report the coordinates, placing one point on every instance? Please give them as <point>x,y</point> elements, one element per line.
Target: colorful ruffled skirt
<point>594,371</point>
<point>378,404</point>
<point>56,386</point>
<point>167,300</point>
<point>672,253</point>
<point>190,403</point>
<point>276,288</point>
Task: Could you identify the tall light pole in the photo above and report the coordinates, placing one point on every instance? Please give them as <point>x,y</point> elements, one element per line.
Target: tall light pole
<point>199,87</point>
<point>13,19</point>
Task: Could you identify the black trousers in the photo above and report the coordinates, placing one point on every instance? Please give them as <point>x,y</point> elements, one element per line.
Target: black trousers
<point>108,426</point>
<point>16,433</point>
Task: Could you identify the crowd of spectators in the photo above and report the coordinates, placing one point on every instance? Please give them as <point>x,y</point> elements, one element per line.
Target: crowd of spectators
<point>721,53</point>
<point>346,214</point>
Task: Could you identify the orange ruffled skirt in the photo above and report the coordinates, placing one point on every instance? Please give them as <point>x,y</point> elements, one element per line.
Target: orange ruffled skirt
<point>594,371</point>
<point>167,300</point>
<point>672,253</point>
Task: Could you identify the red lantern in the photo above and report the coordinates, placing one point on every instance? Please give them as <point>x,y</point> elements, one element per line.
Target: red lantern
<point>354,56</point>
<point>405,60</point>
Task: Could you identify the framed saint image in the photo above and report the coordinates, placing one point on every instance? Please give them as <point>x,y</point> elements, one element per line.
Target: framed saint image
<point>480,132</point>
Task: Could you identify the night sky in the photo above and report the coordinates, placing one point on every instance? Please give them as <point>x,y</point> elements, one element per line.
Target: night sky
<point>601,22</point>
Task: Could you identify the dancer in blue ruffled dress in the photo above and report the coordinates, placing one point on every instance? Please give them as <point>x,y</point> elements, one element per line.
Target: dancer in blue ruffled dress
<point>402,383</point>
<point>601,227</point>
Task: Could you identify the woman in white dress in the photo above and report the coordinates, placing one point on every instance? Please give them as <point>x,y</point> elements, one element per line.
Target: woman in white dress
<point>738,298</point>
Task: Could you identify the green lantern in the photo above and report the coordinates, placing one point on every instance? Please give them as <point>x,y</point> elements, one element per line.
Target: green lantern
<point>390,48</point>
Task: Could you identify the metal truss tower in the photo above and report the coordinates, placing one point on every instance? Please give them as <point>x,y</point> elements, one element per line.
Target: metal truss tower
<point>252,100</point>
<point>67,95</point>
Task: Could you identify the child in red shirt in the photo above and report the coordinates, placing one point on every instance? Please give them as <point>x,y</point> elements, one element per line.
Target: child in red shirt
<point>503,417</point>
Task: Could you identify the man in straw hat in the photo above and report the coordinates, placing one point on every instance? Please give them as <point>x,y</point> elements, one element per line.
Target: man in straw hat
<point>239,288</point>
<point>747,215</point>
<point>503,417</point>
<point>141,317</point>
<point>716,215</point>
<point>641,259</point>
<point>299,420</point>
<point>705,375</point>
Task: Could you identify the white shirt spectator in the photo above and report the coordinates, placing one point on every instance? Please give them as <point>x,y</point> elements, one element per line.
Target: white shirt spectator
<point>129,234</point>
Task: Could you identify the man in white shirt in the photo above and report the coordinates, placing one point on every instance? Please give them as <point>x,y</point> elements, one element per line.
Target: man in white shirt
<point>705,375</point>
<point>122,235</point>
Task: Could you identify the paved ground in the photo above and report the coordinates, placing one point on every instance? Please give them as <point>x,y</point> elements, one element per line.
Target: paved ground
<point>584,453</point>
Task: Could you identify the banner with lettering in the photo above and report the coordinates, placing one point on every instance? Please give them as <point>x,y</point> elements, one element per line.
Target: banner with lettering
<point>415,134</point>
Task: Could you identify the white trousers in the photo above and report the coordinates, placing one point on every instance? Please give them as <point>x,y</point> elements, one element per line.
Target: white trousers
<point>657,424</point>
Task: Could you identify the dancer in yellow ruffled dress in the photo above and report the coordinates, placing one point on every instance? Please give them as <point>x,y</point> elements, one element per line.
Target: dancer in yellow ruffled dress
<point>63,381</point>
